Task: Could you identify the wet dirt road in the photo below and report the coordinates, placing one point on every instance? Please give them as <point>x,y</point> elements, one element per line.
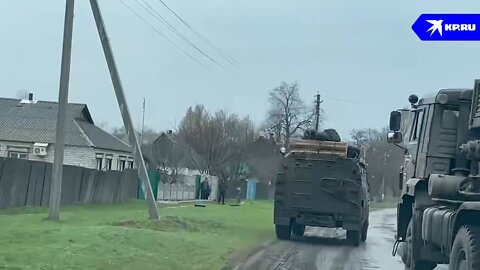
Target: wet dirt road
<point>326,249</point>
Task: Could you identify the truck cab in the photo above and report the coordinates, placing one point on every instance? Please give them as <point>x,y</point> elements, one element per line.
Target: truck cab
<point>440,203</point>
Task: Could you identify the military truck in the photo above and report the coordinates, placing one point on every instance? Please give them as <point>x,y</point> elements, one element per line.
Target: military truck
<point>321,183</point>
<point>438,217</point>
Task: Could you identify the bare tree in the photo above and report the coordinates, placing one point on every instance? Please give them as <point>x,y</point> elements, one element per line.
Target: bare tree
<point>287,114</point>
<point>195,130</point>
<point>368,136</point>
<point>220,139</point>
<point>383,159</point>
<point>231,137</point>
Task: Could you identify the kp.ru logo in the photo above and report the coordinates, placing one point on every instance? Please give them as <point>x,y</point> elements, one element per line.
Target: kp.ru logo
<point>437,26</point>
<point>447,27</point>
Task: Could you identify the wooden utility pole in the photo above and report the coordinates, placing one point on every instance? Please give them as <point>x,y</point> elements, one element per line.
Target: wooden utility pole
<point>56,188</point>
<point>317,111</point>
<point>55,194</point>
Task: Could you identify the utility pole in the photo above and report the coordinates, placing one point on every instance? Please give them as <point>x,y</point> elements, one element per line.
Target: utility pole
<point>56,188</point>
<point>122,103</point>
<point>386,156</point>
<point>317,111</point>
<point>143,122</point>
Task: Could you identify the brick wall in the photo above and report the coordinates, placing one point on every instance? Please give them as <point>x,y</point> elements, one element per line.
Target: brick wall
<point>74,155</point>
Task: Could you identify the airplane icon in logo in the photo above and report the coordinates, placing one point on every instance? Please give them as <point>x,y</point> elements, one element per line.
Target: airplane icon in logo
<point>436,26</point>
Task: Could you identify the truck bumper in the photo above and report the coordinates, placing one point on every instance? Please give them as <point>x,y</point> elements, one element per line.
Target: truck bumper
<point>284,216</point>
<point>328,222</point>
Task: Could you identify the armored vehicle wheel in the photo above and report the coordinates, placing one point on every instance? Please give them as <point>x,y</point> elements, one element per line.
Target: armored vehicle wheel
<point>354,237</point>
<point>364,231</point>
<point>407,254</point>
<point>466,249</point>
<point>298,229</point>
<point>283,232</point>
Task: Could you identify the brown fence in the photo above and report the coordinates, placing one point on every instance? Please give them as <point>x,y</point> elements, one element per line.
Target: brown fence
<point>27,183</point>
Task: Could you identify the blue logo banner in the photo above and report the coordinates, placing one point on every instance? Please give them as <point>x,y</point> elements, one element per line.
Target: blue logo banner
<point>448,27</point>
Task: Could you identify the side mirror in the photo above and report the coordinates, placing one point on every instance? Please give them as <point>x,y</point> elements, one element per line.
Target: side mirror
<point>394,137</point>
<point>283,150</point>
<point>395,120</point>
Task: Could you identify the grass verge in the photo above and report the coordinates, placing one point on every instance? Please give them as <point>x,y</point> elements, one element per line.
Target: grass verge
<point>121,237</point>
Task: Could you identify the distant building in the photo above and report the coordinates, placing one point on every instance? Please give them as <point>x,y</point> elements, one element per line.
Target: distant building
<point>167,151</point>
<point>27,131</point>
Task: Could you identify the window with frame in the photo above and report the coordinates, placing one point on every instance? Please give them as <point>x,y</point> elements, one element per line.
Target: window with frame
<point>108,164</point>
<point>417,125</point>
<point>99,161</point>
<point>18,155</point>
<point>121,165</point>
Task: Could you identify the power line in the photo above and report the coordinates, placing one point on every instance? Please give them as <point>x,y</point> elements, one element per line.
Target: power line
<point>344,100</point>
<point>162,20</point>
<point>162,35</point>
<point>218,50</point>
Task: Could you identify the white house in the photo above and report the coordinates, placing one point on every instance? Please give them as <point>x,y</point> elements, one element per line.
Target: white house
<point>27,131</point>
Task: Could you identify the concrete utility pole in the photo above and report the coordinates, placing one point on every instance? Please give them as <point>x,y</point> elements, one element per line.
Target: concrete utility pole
<point>55,192</point>
<point>317,111</point>
<point>56,188</point>
<point>122,103</point>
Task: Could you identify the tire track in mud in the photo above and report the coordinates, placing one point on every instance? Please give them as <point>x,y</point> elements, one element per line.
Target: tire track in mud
<point>327,249</point>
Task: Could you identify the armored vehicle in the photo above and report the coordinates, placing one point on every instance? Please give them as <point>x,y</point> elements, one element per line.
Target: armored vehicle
<point>321,183</point>
<point>438,217</point>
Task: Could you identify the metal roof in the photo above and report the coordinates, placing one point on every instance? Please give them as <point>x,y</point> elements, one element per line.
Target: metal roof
<point>36,123</point>
<point>165,144</point>
<point>101,139</point>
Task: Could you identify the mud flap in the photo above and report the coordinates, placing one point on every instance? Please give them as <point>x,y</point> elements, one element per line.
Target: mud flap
<point>352,226</point>
<point>282,221</point>
<point>404,214</point>
<point>417,243</point>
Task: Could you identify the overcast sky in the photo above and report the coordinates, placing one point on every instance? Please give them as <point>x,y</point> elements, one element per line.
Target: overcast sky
<point>362,51</point>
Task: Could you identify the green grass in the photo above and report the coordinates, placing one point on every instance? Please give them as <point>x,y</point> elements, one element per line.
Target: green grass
<point>121,236</point>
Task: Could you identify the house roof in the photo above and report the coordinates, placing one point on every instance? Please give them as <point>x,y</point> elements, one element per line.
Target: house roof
<point>165,143</point>
<point>36,122</point>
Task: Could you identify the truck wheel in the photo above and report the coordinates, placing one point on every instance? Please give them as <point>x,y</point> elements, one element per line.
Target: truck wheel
<point>354,237</point>
<point>283,232</point>
<point>298,229</point>
<point>407,254</point>
<point>466,249</point>
<point>364,231</point>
